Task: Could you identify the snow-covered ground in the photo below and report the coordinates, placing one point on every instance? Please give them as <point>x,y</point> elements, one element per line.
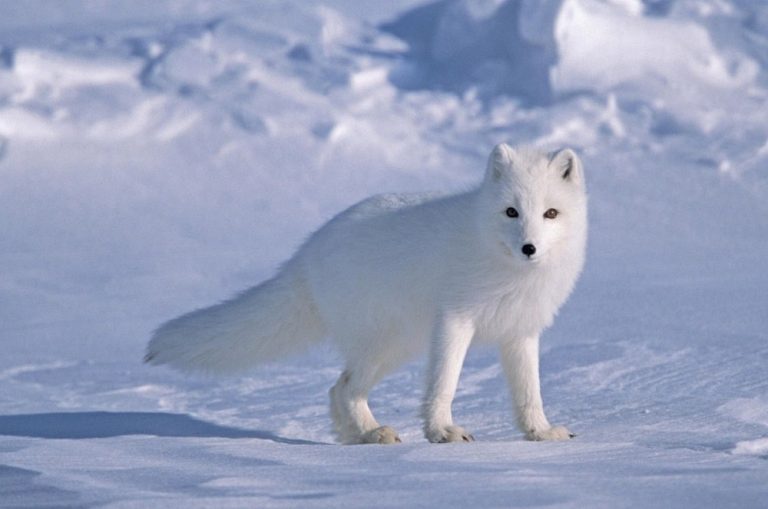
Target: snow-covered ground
<point>156,156</point>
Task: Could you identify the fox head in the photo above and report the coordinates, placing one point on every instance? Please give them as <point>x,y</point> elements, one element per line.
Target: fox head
<point>534,205</point>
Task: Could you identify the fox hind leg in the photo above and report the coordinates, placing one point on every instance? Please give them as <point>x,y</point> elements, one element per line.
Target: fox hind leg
<point>352,418</point>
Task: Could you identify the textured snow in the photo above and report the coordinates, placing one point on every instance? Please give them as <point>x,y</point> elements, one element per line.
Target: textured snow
<point>159,156</point>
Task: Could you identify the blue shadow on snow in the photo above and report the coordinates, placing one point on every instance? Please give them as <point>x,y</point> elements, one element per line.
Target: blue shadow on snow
<point>76,425</point>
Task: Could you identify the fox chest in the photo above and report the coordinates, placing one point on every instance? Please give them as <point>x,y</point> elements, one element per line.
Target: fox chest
<point>523,310</point>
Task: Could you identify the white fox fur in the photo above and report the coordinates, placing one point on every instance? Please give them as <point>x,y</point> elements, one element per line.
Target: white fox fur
<point>397,275</point>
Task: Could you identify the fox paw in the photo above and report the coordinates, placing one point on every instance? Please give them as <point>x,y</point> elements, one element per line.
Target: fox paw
<point>553,433</point>
<point>449,434</point>
<point>380,435</point>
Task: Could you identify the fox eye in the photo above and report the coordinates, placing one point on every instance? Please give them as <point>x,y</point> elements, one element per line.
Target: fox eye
<point>551,213</point>
<point>511,212</point>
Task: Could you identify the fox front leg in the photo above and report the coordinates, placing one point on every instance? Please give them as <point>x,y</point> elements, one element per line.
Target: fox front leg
<point>450,342</point>
<point>520,359</point>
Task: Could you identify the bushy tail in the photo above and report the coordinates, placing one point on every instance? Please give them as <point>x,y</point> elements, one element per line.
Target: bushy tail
<point>267,322</point>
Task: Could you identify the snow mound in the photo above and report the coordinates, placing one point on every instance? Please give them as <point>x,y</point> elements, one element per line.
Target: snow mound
<point>604,48</point>
<point>752,411</point>
<point>757,447</point>
<point>541,51</point>
<point>458,45</point>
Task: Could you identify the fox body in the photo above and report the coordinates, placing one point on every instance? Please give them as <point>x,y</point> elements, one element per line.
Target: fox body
<point>398,275</point>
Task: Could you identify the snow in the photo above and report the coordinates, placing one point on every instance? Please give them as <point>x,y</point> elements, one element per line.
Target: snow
<point>159,156</point>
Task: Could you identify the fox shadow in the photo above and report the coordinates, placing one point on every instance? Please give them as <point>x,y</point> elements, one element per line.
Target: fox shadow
<point>82,425</point>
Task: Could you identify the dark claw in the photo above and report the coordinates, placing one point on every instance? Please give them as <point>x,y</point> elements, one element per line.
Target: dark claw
<point>571,435</point>
<point>398,441</point>
<point>464,438</point>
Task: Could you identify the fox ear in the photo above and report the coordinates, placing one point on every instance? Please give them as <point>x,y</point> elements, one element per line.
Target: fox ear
<point>501,158</point>
<point>568,164</point>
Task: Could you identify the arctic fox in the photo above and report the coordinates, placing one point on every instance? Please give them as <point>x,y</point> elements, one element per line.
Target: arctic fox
<point>397,275</point>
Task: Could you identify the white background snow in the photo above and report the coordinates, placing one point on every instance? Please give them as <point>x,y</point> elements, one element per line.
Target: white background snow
<point>157,156</point>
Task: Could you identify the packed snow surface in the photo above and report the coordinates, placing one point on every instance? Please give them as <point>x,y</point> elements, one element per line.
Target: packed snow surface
<point>157,156</point>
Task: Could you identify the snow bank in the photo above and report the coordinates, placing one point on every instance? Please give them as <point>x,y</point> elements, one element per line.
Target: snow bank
<point>603,47</point>
<point>540,52</point>
<point>461,44</point>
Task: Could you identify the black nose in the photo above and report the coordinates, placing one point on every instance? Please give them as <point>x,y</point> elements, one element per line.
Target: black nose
<point>529,250</point>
